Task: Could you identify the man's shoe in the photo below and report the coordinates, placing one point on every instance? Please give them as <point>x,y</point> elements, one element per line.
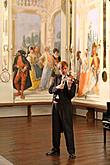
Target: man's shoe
<point>53,152</point>
<point>72,156</point>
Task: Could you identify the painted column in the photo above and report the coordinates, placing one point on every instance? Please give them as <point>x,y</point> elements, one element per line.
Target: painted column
<point>82,22</point>
<point>67,30</point>
<point>1,32</point>
<point>49,34</point>
<point>6,73</point>
<point>86,24</point>
<point>63,30</point>
<point>108,46</point>
<point>105,85</point>
<point>73,42</point>
<point>43,33</point>
<point>14,35</point>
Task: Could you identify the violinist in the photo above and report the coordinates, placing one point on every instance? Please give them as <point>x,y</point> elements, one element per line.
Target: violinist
<point>63,89</point>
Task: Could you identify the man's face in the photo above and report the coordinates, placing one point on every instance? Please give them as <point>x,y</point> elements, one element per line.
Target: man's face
<point>19,54</point>
<point>37,50</point>
<point>47,49</point>
<point>64,70</point>
<point>56,54</point>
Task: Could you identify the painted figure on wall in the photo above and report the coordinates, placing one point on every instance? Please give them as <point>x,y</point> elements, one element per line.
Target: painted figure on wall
<point>78,64</point>
<point>32,60</point>
<point>48,63</point>
<point>21,79</point>
<point>38,67</point>
<point>78,67</point>
<point>95,70</point>
<point>56,60</point>
<point>84,73</point>
<point>89,77</point>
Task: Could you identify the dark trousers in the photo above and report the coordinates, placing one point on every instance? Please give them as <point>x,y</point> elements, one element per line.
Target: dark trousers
<point>62,121</point>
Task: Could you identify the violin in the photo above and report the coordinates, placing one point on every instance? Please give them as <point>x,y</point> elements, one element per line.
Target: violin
<point>73,79</point>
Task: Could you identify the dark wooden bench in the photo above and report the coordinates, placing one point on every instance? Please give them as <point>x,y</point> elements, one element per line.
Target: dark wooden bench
<point>27,104</point>
<point>92,108</point>
<point>95,108</point>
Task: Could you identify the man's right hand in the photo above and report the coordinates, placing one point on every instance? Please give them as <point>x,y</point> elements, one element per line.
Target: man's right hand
<point>60,86</point>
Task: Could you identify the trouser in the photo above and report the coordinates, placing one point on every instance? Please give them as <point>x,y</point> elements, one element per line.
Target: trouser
<point>62,121</point>
<point>20,76</point>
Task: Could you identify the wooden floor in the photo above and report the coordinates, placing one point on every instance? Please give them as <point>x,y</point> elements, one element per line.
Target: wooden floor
<point>25,142</point>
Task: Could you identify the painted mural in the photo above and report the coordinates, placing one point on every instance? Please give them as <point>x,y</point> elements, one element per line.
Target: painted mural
<point>88,62</point>
<point>34,69</point>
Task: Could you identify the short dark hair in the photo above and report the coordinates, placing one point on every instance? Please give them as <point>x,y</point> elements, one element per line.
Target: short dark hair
<point>22,52</point>
<point>94,45</point>
<point>55,50</point>
<point>31,48</point>
<point>63,63</point>
<point>78,52</point>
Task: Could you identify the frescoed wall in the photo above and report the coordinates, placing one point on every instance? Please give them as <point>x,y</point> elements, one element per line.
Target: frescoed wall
<point>5,52</point>
<point>35,29</point>
<point>92,29</point>
<point>87,55</point>
<point>28,31</point>
<point>91,58</point>
<point>40,24</point>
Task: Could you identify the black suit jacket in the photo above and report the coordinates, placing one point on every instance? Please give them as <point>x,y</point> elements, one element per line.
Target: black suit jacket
<point>61,95</point>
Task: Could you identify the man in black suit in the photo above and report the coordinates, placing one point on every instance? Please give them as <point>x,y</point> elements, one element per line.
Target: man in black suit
<point>63,89</point>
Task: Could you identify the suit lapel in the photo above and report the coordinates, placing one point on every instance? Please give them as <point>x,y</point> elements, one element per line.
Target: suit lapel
<point>59,79</point>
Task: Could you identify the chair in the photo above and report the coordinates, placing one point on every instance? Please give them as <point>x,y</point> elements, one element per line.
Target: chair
<point>106,121</point>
